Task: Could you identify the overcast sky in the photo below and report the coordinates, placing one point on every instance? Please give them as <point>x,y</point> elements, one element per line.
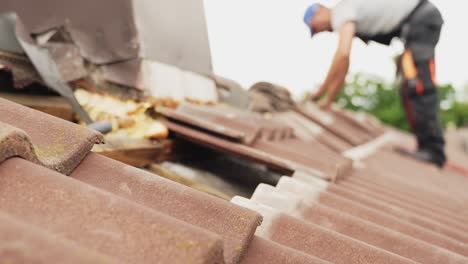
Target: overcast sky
<point>266,40</point>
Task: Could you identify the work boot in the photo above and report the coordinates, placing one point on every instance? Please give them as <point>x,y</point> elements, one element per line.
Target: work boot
<point>423,155</point>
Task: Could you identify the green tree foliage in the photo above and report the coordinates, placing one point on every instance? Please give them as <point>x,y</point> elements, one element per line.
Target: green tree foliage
<point>373,95</point>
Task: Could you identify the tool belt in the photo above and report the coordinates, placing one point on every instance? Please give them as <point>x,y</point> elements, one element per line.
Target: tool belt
<point>400,31</point>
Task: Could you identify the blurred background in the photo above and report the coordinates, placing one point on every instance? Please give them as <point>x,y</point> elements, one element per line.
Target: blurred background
<point>267,40</point>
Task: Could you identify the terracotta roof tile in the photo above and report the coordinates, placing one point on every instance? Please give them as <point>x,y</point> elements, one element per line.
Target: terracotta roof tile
<point>405,193</point>
<point>306,154</point>
<point>423,176</point>
<point>265,251</point>
<point>15,143</point>
<point>412,188</point>
<point>391,218</point>
<point>388,209</point>
<point>234,148</point>
<point>355,227</point>
<point>234,224</point>
<point>22,71</point>
<point>23,243</point>
<point>361,121</point>
<point>310,193</point>
<point>99,220</point>
<point>306,130</point>
<point>257,138</point>
<point>315,240</point>
<point>457,146</point>
<point>426,176</point>
<point>58,144</point>
<point>423,209</point>
<point>336,125</point>
<point>377,174</point>
<point>408,215</point>
<point>229,122</point>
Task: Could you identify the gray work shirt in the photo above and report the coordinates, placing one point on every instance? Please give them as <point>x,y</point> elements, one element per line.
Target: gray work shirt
<point>372,17</point>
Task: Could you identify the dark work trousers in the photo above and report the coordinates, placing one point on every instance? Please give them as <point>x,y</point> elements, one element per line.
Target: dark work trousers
<point>418,90</point>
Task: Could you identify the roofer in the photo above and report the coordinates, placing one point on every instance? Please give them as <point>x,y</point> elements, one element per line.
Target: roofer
<point>418,24</point>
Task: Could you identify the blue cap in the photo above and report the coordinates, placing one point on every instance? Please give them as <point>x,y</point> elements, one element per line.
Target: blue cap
<point>309,14</point>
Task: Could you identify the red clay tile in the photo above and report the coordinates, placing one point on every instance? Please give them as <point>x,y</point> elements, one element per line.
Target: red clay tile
<point>284,166</point>
<point>100,220</point>
<point>425,180</point>
<point>354,227</point>
<point>407,215</point>
<point>266,251</point>
<point>306,130</point>
<point>236,225</point>
<point>15,143</point>
<point>370,177</point>
<point>275,132</point>
<point>410,187</point>
<point>359,120</point>
<point>457,146</point>
<point>322,153</point>
<point>315,240</point>
<point>413,205</point>
<point>23,72</point>
<point>419,174</point>
<point>23,243</point>
<point>421,177</point>
<point>59,145</point>
<point>209,121</point>
<point>333,142</point>
<point>312,192</point>
<point>229,122</point>
<point>308,154</point>
<point>340,128</point>
<point>266,136</point>
<point>403,193</point>
<point>399,212</point>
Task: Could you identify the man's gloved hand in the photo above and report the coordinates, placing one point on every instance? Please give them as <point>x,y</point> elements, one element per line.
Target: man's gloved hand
<point>314,96</point>
<point>317,95</point>
<point>325,104</point>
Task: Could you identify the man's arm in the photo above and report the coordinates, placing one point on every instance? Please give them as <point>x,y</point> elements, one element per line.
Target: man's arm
<point>337,73</point>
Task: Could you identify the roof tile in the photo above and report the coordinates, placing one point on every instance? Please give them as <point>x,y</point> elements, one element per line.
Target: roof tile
<point>23,243</point>
<point>376,214</point>
<point>226,128</point>
<point>423,176</point>
<point>15,143</point>
<point>315,240</point>
<point>229,122</point>
<point>359,120</point>
<point>22,70</point>
<point>265,251</point>
<point>236,225</point>
<point>457,146</point>
<point>417,207</point>
<point>408,215</point>
<point>341,128</point>
<point>383,207</point>
<point>354,227</point>
<point>306,130</point>
<point>311,194</point>
<point>99,220</point>
<point>308,154</point>
<point>220,144</point>
<point>406,193</point>
<point>58,144</point>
